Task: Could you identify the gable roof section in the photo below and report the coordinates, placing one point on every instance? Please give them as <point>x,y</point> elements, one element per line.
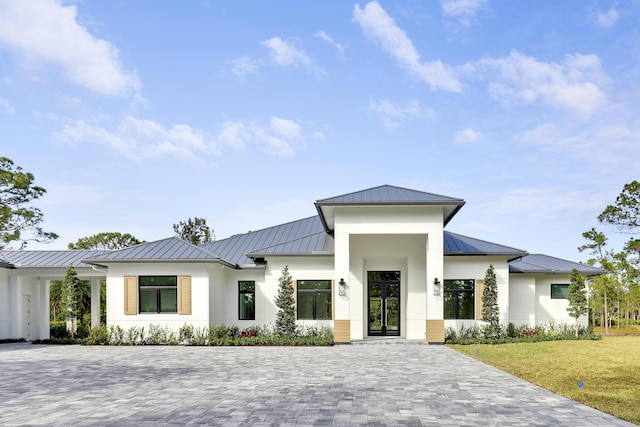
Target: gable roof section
<point>235,249</point>
<point>60,258</point>
<point>388,195</point>
<point>545,264</point>
<point>172,249</point>
<point>457,244</point>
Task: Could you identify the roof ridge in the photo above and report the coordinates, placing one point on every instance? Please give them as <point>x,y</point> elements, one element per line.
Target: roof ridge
<point>392,186</point>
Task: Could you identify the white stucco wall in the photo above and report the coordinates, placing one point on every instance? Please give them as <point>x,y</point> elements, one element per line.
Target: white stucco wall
<point>475,267</point>
<point>553,310</point>
<point>199,273</point>
<point>522,299</point>
<point>5,307</point>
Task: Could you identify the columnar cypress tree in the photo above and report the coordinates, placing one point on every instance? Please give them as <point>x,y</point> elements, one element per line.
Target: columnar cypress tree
<point>577,296</point>
<point>286,319</point>
<point>490,310</point>
<point>71,299</point>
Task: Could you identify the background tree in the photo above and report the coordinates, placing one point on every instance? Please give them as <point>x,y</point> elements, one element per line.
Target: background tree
<point>194,231</point>
<point>286,318</point>
<point>577,296</point>
<point>106,241</point>
<point>71,299</point>
<point>490,310</point>
<point>625,213</point>
<point>18,221</point>
<point>596,241</point>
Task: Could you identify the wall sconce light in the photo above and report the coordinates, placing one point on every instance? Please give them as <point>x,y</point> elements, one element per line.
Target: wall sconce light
<point>342,287</point>
<point>436,286</point>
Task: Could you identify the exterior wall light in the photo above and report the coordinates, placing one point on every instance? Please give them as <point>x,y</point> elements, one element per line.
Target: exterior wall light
<point>436,286</point>
<point>342,287</point>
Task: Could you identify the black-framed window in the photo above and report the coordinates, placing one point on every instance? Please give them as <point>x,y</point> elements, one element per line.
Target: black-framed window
<point>559,291</point>
<point>247,300</point>
<point>314,299</point>
<point>459,299</point>
<point>158,294</point>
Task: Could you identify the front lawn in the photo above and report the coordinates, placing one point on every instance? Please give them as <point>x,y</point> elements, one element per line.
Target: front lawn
<point>609,369</point>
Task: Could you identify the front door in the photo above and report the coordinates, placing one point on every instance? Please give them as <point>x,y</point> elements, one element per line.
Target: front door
<point>384,303</point>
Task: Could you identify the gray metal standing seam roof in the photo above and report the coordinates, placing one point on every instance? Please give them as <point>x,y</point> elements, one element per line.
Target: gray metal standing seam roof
<point>278,239</point>
<point>58,258</point>
<point>539,263</point>
<point>169,249</point>
<point>457,244</point>
<point>389,194</point>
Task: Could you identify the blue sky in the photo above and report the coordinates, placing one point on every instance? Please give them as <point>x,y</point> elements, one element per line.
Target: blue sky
<point>135,115</point>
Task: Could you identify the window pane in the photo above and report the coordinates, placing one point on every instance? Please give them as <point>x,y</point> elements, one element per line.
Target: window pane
<point>449,305</point>
<point>559,291</point>
<point>459,284</point>
<point>314,284</point>
<point>158,281</point>
<point>247,306</point>
<point>323,305</point>
<point>383,276</point>
<point>305,305</point>
<point>465,305</point>
<point>247,286</point>
<point>148,301</point>
<point>168,300</point>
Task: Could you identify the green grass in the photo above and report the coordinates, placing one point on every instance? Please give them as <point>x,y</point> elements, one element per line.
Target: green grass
<point>609,368</point>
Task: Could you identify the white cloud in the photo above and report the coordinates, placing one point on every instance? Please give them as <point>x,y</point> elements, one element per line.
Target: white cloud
<point>393,114</point>
<point>604,146</point>
<point>379,26</point>
<point>235,134</point>
<point>278,138</point>
<point>467,135</point>
<point>607,19</point>
<point>48,32</point>
<point>574,84</point>
<point>244,65</point>
<point>286,54</point>
<point>462,10</point>
<point>140,139</point>
<point>318,136</point>
<point>6,105</point>
<point>324,36</point>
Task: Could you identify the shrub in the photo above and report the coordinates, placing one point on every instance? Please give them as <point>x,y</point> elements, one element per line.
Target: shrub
<point>98,336</point>
<point>58,329</point>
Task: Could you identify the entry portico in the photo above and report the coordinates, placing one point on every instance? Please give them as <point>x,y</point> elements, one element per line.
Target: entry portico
<point>388,231</point>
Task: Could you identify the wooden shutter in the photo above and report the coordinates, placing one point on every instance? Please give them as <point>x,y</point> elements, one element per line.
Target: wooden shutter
<point>184,294</point>
<point>130,295</point>
<point>478,296</point>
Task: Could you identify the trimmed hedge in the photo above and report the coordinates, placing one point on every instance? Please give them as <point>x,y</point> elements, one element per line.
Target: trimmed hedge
<point>517,334</point>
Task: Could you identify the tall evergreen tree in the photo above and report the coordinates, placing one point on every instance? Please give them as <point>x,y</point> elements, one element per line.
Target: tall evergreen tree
<point>286,318</point>
<point>490,310</point>
<point>577,296</point>
<point>71,299</point>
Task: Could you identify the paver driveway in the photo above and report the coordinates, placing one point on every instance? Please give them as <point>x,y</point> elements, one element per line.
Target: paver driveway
<point>375,384</point>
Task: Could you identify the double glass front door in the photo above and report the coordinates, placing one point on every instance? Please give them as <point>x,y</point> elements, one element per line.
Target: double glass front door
<point>384,302</point>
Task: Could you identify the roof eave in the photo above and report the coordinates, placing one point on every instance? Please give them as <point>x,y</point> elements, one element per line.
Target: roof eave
<point>170,260</point>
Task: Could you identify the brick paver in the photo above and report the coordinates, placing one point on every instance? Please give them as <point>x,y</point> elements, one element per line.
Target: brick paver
<point>378,385</point>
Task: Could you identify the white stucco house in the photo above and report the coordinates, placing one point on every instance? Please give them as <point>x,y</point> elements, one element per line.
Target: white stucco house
<point>377,262</point>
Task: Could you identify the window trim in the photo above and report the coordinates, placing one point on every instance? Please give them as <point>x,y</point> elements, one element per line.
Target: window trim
<point>314,293</point>
<point>241,293</point>
<point>472,291</point>
<point>564,285</point>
